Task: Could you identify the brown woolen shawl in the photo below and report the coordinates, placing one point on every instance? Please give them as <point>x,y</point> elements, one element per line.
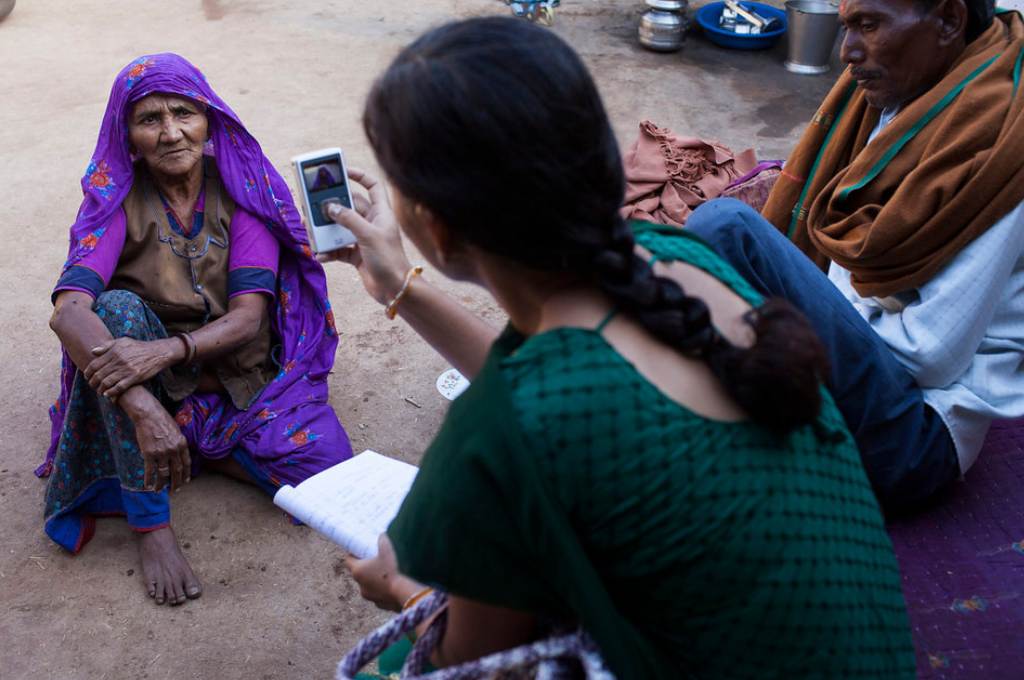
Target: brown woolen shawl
<point>956,177</point>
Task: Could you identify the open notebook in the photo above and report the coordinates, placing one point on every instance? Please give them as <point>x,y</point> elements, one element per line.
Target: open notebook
<point>351,503</point>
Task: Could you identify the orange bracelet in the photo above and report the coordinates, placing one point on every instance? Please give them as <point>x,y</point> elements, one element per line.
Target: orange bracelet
<point>416,597</point>
<point>391,311</point>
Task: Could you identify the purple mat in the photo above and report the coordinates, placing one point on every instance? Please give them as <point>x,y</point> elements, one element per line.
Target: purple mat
<point>963,568</point>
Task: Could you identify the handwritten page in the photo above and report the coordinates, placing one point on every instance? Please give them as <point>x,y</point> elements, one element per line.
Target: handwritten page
<point>351,503</point>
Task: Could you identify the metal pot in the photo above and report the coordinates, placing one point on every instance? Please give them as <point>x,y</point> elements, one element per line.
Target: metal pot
<point>6,7</point>
<point>663,26</point>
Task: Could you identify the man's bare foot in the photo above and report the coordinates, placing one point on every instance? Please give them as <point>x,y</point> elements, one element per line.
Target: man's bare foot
<point>168,576</point>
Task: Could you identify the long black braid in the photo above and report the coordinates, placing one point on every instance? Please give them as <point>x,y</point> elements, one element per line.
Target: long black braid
<point>751,376</point>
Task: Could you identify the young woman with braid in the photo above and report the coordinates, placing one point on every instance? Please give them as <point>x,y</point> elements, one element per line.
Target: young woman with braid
<point>646,451</point>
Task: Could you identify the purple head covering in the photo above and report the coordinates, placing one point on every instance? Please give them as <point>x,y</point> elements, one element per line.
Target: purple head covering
<point>302,317</point>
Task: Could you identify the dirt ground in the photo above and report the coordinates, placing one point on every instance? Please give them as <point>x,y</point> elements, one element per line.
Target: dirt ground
<point>277,603</point>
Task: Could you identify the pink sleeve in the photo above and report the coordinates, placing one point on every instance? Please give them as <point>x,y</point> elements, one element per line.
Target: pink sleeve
<point>104,255</point>
<point>93,271</point>
<point>253,256</point>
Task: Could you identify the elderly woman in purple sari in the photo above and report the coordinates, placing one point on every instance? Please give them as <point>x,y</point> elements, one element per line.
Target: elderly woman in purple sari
<point>195,323</point>
<point>325,179</point>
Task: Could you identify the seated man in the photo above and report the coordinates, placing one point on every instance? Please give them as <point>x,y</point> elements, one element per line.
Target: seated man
<point>906,190</point>
<point>193,319</point>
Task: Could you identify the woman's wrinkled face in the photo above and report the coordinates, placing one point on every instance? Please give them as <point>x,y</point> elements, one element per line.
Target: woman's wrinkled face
<point>168,133</point>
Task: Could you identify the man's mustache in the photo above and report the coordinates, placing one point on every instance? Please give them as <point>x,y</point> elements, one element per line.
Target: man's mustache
<point>863,74</point>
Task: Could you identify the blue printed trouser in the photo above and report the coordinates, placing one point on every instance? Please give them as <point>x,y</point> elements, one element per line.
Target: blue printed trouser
<point>98,469</point>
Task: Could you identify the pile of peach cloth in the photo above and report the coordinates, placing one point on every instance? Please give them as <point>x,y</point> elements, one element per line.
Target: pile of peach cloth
<point>668,176</point>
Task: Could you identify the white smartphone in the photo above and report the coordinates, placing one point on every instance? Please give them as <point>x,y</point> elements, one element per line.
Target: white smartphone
<point>323,179</point>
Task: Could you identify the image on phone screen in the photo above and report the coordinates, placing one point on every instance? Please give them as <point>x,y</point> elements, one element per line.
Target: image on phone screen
<point>324,179</point>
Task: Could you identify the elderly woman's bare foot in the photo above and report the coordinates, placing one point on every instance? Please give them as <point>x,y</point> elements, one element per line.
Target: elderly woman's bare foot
<point>168,576</point>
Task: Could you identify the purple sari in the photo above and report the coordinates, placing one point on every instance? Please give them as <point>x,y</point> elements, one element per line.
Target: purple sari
<point>290,432</point>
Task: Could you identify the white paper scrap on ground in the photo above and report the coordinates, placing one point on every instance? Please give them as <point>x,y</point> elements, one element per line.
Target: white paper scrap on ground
<point>451,384</point>
<point>351,503</point>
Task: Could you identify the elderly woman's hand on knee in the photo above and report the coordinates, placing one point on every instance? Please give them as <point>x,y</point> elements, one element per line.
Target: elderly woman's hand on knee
<point>122,363</point>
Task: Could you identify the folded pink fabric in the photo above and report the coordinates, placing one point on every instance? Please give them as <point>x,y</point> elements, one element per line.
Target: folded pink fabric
<point>668,176</point>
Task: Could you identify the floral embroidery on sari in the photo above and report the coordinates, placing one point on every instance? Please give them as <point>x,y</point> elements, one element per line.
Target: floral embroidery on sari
<point>331,330</point>
<point>90,240</point>
<point>136,71</point>
<point>98,177</point>
<point>300,436</point>
<point>198,97</point>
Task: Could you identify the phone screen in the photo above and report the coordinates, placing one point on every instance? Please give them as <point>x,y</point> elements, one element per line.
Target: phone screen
<point>324,179</point>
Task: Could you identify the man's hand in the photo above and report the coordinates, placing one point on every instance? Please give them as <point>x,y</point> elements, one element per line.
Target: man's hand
<point>164,448</point>
<point>123,363</point>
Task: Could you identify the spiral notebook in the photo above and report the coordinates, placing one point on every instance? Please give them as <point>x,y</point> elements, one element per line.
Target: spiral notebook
<point>353,502</point>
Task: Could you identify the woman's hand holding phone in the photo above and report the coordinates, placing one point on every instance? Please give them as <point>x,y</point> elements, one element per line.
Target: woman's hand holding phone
<point>379,256</point>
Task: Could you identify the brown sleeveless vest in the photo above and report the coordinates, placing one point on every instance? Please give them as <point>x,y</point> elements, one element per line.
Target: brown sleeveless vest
<point>185,282</point>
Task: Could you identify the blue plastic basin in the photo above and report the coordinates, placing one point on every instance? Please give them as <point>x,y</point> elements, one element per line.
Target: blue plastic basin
<point>708,16</point>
